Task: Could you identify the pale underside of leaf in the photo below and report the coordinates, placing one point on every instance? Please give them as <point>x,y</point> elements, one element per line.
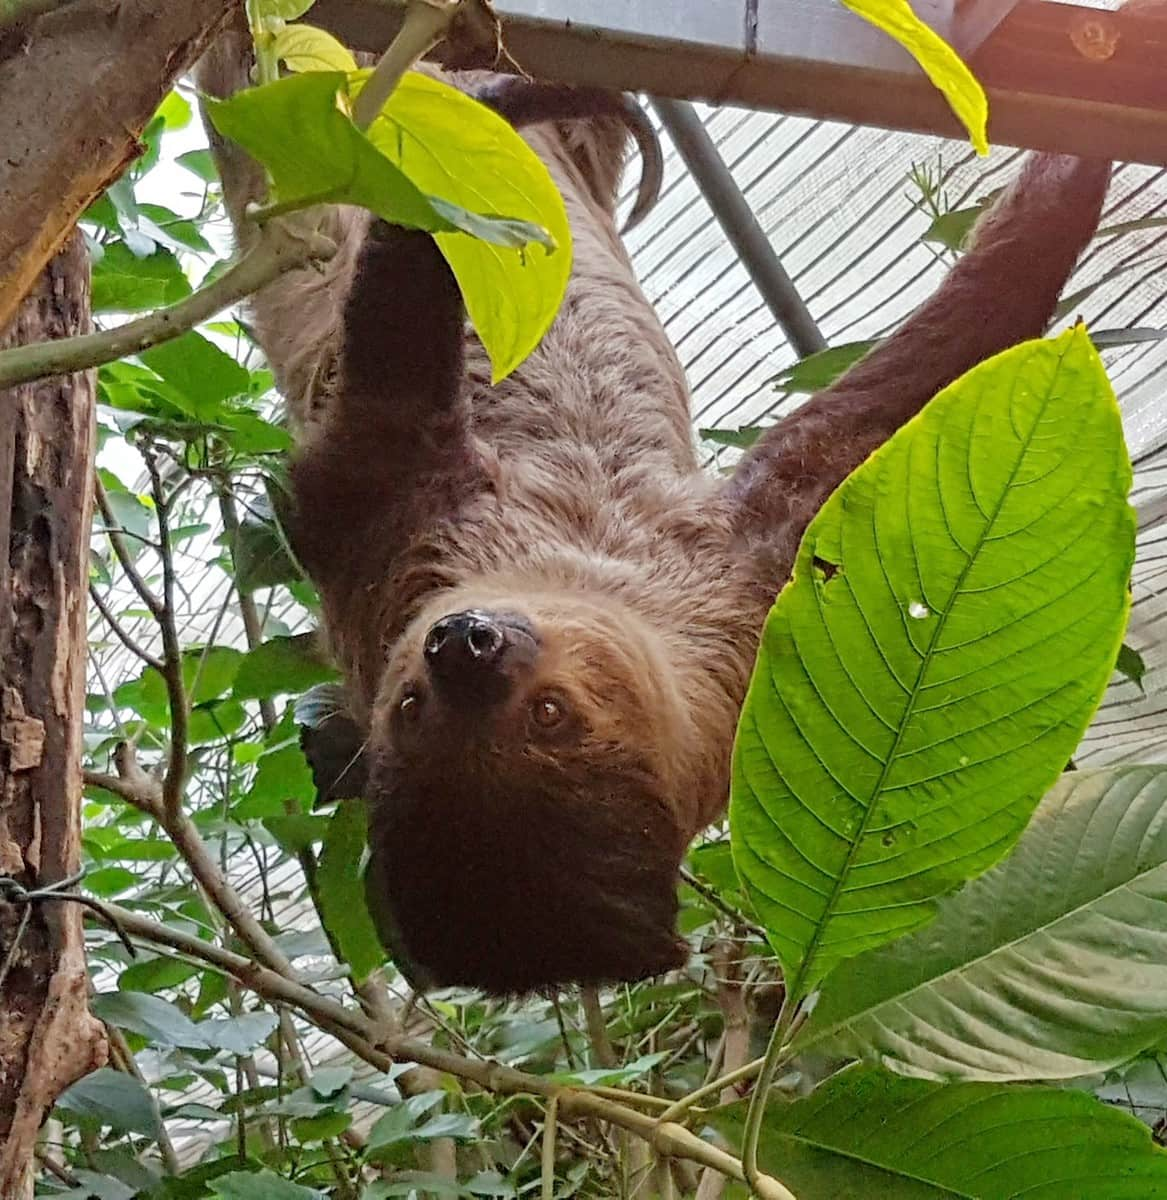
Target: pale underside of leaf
<point>1053,965</point>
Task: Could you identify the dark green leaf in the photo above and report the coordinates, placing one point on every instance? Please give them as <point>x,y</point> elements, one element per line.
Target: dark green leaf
<point>141,850</point>
<point>263,1185</point>
<point>1130,664</point>
<point>867,1134</point>
<point>113,1099</point>
<point>741,438</point>
<point>341,889</point>
<point>818,371</point>
<point>262,555</point>
<point>155,974</point>
<point>209,673</point>
<point>155,1019</point>
<point>241,1034</point>
<point>284,665</point>
<point>326,1125</point>
<point>212,722</point>
<point>297,831</point>
<point>246,433</point>
<point>109,881</point>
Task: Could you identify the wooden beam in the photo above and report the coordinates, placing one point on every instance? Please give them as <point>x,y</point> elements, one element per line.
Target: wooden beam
<point>1059,76</point>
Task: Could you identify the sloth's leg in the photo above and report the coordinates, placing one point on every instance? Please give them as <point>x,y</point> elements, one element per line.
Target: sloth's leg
<point>1003,290</point>
<point>394,452</point>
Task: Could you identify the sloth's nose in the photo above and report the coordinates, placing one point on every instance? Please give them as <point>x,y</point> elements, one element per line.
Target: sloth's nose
<point>463,643</point>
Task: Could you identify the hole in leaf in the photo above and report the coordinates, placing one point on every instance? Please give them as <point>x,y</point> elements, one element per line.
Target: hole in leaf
<point>828,570</point>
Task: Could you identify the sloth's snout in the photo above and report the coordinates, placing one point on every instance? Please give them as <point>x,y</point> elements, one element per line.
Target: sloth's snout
<point>475,656</point>
<point>465,641</point>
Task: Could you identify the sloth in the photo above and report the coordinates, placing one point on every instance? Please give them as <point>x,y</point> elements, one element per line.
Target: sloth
<point>545,611</point>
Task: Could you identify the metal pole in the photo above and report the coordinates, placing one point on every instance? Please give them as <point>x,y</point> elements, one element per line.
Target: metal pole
<point>737,219</point>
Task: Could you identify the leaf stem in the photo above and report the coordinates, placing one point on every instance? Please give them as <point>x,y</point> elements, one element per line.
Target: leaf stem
<point>422,28</point>
<point>776,1053</point>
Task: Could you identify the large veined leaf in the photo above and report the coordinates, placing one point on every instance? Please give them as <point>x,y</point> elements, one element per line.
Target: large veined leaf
<point>453,147</point>
<point>1052,965</point>
<point>867,1134</point>
<point>953,617</point>
<point>941,63</point>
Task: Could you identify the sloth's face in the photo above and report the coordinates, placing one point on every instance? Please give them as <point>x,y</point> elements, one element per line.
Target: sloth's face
<point>526,761</point>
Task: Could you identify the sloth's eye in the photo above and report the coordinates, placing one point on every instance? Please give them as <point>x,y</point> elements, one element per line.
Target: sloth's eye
<point>409,705</point>
<point>548,711</point>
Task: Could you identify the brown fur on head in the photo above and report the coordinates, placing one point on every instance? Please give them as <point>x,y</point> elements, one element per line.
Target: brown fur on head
<point>525,791</point>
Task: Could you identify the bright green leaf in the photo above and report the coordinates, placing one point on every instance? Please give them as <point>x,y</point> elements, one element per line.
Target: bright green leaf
<point>342,891</point>
<point>283,776</point>
<point>952,621</point>
<point>314,152</point>
<point>306,48</point>
<point>453,147</point>
<point>866,1134</point>
<point>941,63</point>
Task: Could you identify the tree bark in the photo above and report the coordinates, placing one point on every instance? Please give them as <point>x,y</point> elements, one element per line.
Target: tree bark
<point>47,1036</point>
<point>77,87</point>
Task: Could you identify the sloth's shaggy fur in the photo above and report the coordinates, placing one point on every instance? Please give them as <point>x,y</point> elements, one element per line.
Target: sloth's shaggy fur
<point>515,845</point>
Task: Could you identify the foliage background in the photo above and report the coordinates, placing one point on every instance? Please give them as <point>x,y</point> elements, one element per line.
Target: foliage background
<point>861,264</point>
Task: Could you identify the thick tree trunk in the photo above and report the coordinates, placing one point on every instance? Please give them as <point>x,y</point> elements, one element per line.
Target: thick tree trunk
<point>47,1037</point>
<point>77,86</point>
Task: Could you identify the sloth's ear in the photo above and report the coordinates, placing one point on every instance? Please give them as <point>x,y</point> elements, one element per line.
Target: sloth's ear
<point>333,743</point>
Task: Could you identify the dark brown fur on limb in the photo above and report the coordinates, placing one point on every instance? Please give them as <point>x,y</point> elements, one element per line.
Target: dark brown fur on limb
<point>545,611</point>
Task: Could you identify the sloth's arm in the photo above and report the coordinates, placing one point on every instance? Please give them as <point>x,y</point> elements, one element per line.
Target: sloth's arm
<point>395,452</point>
<point>1003,290</point>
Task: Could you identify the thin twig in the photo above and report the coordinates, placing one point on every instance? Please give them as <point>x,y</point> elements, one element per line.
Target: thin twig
<point>547,1162</point>
<point>128,1064</point>
<point>597,1028</point>
<point>278,249</point>
<point>174,782</point>
<point>120,633</point>
<point>117,541</point>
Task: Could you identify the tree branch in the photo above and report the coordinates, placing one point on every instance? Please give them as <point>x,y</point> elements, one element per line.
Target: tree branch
<point>361,1036</point>
<point>278,249</point>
